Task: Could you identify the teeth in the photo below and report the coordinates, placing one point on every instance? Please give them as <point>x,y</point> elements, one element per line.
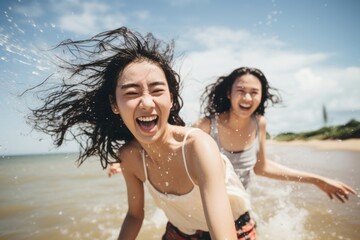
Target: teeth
<point>245,105</point>
<point>147,119</point>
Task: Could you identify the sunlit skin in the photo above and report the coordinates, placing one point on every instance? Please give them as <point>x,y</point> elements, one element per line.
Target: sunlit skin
<point>237,130</point>
<point>245,96</point>
<point>142,95</point>
<point>143,101</point>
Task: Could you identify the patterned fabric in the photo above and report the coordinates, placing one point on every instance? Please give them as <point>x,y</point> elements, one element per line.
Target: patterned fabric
<point>245,230</point>
<point>172,233</point>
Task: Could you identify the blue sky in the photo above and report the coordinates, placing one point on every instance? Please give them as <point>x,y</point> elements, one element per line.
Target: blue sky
<point>308,49</point>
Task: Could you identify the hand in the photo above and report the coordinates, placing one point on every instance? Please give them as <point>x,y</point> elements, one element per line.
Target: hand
<point>113,169</point>
<point>335,188</point>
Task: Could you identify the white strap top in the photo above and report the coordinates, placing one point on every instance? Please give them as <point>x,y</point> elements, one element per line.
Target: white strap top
<point>186,211</point>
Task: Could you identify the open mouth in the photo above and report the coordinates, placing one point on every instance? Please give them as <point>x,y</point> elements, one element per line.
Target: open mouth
<point>245,107</point>
<point>147,123</point>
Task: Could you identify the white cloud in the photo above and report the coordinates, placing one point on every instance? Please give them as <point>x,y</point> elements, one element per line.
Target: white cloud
<point>214,37</point>
<point>90,18</point>
<point>32,10</point>
<point>308,80</point>
<point>305,83</point>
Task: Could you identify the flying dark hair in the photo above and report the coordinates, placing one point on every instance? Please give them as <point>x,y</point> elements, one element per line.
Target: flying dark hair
<point>79,106</point>
<point>214,99</point>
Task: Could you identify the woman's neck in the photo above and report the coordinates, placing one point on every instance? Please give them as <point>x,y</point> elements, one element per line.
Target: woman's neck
<point>162,147</point>
<point>235,122</point>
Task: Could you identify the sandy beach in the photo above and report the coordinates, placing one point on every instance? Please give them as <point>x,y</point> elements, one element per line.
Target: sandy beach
<point>348,145</point>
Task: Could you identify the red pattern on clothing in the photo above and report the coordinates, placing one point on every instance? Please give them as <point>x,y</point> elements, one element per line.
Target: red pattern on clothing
<point>245,232</point>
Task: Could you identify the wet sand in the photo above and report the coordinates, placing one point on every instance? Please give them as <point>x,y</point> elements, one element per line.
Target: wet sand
<point>348,145</point>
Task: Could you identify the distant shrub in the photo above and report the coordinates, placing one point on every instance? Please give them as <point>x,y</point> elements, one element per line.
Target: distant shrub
<point>341,132</point>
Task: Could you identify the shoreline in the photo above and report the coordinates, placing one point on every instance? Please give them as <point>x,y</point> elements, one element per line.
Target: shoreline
<point>347,145</point>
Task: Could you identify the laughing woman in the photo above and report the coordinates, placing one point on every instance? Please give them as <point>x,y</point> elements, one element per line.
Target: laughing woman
<point>234,108</point>
<point>122,102</point>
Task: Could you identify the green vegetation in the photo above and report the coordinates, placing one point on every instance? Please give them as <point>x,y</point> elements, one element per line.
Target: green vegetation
<point>341,132</point>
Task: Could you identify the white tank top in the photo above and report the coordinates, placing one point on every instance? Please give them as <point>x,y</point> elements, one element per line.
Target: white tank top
<point>186,211</point>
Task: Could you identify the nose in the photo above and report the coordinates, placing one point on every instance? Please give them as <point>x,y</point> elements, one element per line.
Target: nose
<point>146,102</point>
<point>247,96</point>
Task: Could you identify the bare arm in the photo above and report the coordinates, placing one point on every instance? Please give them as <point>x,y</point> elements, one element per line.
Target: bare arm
<point>270,169</point>
<point>209,171</point>
<point>135,193</point>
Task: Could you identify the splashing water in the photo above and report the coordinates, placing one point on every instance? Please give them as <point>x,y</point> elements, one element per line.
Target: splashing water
<point>276,215</point>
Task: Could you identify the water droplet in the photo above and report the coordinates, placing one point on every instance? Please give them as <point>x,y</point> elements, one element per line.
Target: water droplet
<point>167,184</point>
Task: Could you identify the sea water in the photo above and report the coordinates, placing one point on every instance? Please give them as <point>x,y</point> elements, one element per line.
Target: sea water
<point>49,197</point>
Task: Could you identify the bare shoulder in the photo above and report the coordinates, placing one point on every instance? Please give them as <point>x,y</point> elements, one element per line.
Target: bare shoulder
<point>129,148</point>
<point>203,123</point>
<point>130,153</point>
<point>202,155</point>
<point>262,121</point>
<point>200,141</point>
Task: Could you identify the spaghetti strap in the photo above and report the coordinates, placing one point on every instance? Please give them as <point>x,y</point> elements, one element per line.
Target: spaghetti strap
<point>183,153</point>
<point>143,160</point>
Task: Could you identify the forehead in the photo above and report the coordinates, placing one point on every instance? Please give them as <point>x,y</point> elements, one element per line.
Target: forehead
<point>141,72</point>
<point>248,80</point>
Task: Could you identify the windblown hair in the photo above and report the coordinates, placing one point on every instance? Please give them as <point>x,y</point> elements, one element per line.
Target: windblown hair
<point>214,99</point>
<point>79,106</point>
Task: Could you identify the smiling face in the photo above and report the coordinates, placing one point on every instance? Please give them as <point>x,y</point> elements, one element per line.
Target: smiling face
<point>245,95</point>
<point>143,100</point>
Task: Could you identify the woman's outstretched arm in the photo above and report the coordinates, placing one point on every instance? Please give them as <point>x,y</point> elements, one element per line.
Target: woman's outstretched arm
<point>267,168</point>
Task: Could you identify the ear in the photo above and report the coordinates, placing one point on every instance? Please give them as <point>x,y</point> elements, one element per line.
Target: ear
<point>171,100</point>
<point>113,105</point>
<point>228,94</point>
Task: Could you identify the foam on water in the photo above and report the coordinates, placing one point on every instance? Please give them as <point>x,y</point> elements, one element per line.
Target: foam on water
<point>276,215</point>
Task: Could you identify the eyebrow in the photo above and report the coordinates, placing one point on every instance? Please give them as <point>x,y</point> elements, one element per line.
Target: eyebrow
<point>252,89</point>
<point>134,85</point>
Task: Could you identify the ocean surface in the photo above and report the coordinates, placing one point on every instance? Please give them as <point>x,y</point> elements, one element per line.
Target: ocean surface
<point>49,197</point>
